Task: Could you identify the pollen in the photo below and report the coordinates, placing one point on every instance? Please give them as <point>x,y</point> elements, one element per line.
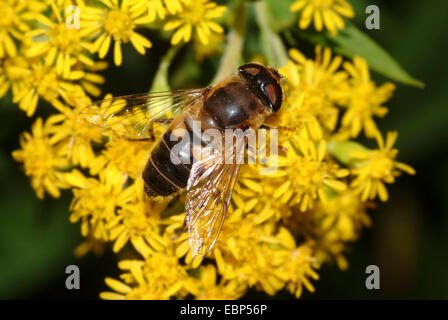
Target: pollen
<point>64,38</point>
<point>119,25</point>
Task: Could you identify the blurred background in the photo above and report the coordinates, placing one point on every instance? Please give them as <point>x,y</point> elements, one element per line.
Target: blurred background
<point>409,236</point>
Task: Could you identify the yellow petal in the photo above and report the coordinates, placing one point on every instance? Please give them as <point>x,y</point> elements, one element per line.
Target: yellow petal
<point>336,184</point>
<point>117,285</point>
<point>117,53</point>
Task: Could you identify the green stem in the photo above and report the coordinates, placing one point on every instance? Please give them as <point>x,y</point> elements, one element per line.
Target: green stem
<point>160,82</point>
<point>233,53</point>
<point>271,43</point>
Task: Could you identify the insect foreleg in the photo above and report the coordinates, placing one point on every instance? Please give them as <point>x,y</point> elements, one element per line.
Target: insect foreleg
<point>151,128</point>
<point>263,126</point>
<point>164,121</point>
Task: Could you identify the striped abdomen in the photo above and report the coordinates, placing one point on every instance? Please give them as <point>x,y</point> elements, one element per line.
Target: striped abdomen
<point>162,176</point>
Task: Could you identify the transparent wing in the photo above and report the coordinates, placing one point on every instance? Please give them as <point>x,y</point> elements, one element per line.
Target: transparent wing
<point>209,192</point>
<point>132,116</point>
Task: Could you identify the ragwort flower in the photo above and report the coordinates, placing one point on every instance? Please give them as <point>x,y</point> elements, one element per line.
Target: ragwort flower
<point>117,22</point>
<point>77,138</point>
<point>196,16</point>
<point>42,161</point>
<point>364,99</point>
<point>14,22</point>
<point>309,174</point>
<point>324,13</point>
<point>160,8</point>
<point>57,43</point>
<point>313,90</point>
<point>158,277</point>
<point>95,201</point>
<point>376,167</point>
<point>13,72</point>
<point>44,82</point>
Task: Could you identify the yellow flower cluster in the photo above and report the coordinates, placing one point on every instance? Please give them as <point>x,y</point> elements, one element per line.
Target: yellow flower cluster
<point>46,53</point>
<point>280,228</point>
<point>323,13</point>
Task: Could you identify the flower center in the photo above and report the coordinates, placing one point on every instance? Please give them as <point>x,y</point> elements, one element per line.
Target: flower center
<point>381,166</point>
<point>363,94</point>
<point>41,161</point>
<point>119,25</point>
<point>194,16</point>
<point>45,82</point>
<point>64,38</point>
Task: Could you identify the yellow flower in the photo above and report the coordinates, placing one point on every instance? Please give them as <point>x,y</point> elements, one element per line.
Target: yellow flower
<point>128,156</point>
<point>117,22</point>
<point>299,267</point>
<point>364,99</point>
<point>335,223</point>
<point>324,13</point>
<point>210,289</point>
<point>42,161</point>
<point>13,23</point>
<point>77,138</point>
<point>159,8</point>
<point>261,195</point>
<point>90,245</point>
<point>259,257</point>
<point>88,78</point>
<point>309,174</point>
<point>329,247</point>
<point>244,253</point>
<point>198,15</point>
<point>344,213</point>
<point>57,43</point>
<point>13,72</point>
<point>95,201</point>
<point>138,222</point>
<point>43,81</point>
<point>158,277</point>
<point>375,167</point>
<point>312,89</point>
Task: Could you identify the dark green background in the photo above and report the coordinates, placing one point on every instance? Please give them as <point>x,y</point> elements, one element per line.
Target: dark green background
<point>409,238</point>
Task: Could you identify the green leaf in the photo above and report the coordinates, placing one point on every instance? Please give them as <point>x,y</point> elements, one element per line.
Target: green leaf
<point>282,17</point>
<point>352,42</point>
<point>271,44</point>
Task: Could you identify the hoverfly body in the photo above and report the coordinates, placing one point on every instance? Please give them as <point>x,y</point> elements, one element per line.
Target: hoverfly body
<point>241,101</point>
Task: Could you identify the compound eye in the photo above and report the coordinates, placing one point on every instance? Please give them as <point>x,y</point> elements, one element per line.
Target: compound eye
<point>250,69</point>
<point>271,93</point>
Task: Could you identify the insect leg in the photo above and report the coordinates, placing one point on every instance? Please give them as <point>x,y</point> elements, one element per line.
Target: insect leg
<point>164,121</point>
<point>141,139</point>
<point>151,127</point>
<point>263,126</point>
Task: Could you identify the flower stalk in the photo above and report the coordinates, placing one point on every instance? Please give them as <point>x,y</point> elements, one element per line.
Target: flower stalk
<point>272,45</point>
<point>233,53</point>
